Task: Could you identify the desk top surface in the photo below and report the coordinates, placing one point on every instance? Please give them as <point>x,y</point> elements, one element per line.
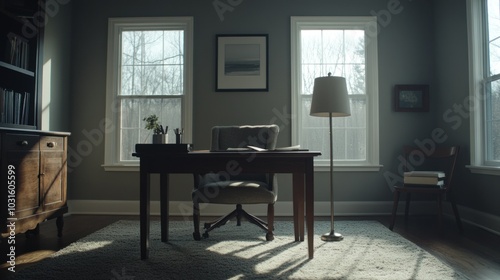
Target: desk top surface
<point>157,150</point>
<point>207,153</point>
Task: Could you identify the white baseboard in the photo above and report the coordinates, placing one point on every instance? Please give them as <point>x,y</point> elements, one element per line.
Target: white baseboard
<point>483,220</point>
<point>284,209</point>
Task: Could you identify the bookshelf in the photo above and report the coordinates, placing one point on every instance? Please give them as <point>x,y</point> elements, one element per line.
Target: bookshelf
<point>20,75</point>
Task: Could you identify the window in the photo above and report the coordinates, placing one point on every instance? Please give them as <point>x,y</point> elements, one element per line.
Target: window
<point>342,46</point>
<point>484,60</point>
<point>149,72</point>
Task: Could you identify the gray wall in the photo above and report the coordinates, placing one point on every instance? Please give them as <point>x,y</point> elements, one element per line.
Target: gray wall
<point>56,68</point>
<point>425,43</point>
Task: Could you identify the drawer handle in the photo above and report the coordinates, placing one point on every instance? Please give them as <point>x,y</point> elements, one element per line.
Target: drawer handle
<point>23,143</point>
<point>51,144</point>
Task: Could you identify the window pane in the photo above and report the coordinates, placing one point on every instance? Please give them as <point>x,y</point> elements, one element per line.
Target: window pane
<point>494,36</point>
<point>355,46</point>
<point>355,79</point>
<point>311,40</point>
<point>152,62</point>
<point>356,144</point>
<point>134,111</point>
<point>173,80</point>
<point>493,122</point>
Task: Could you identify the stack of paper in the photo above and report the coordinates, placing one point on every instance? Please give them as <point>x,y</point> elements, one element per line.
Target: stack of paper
<point>424,178</point>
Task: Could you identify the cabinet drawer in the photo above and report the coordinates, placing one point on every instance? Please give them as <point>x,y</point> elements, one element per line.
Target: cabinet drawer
<point>21,142</point>
<point>51,143</point>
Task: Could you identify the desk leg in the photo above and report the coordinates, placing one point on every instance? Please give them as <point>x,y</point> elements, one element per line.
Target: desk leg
<point>164,206</point>
<point>310,209</point>
<point>298,206</point>
<point>144,212</point>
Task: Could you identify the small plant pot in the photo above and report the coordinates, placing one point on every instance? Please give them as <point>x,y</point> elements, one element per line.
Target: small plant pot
<point>160,138</point>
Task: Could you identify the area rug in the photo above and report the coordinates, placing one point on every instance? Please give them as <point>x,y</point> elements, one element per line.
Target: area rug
<point>369,251</point>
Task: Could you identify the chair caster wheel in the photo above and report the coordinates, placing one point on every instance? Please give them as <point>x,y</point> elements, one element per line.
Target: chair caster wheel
<point>205,235</point>
<point>269,236</point>
<point>196,236</point>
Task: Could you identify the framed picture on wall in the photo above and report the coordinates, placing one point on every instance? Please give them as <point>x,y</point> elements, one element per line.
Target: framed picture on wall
<point>242,63</point>
<point>411,98</point>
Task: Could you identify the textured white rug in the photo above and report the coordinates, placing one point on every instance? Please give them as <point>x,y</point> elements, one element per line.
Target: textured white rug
<point>369,251</point>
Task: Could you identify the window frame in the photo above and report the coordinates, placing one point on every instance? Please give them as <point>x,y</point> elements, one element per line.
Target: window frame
<point>476,28</point>
<point>115,27</point>
<point>369,25</point>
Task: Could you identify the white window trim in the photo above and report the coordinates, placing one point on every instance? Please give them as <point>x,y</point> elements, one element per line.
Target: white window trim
<point>111,153</point>
<point>475,23</point>
<point>370,25</point>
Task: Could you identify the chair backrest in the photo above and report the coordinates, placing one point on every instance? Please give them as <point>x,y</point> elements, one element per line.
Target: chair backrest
<point>439,158</point>
<point>262,136</point>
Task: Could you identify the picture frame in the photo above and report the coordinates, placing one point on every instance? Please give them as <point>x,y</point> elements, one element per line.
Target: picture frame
<point>242,62</point>
<point>411,98</point>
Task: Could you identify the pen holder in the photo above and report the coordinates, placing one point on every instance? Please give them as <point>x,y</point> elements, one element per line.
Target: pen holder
<point>160,138</point>
<point>178,138</point>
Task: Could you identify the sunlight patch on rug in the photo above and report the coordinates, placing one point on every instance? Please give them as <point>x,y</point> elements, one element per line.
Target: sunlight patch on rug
<point>84,247</point>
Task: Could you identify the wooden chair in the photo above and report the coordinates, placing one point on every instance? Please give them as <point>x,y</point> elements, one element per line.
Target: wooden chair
<point>442,159</point>
<point>239,188</point>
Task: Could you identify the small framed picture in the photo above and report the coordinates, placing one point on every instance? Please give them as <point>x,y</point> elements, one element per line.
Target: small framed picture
<point>242,63</point>
<point>411,98</point>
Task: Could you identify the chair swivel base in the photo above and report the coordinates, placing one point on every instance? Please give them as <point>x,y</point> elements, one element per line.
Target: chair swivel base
<point>238,213</point>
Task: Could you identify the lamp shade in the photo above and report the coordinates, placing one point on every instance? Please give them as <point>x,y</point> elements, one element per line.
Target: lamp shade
<point>330,96</point>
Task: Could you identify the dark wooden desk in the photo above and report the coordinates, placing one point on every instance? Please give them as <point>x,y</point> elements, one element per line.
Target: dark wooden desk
<point>299,163</point>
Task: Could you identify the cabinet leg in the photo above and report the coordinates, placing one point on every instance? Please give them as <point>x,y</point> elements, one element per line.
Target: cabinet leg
<point>60,225</point>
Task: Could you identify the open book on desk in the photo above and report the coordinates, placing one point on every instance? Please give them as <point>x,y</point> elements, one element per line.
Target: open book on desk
<point>280,149</point>
<point>259,149</point>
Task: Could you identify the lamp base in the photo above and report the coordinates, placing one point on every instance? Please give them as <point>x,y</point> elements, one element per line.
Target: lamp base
<point>332,236</point>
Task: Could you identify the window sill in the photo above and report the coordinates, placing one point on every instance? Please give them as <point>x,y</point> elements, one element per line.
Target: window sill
<point>485,170</point>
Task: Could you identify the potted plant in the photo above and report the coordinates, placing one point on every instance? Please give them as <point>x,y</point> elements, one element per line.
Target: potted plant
<point>159,135</point>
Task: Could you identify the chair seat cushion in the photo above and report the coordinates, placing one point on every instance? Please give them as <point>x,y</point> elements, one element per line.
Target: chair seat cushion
<point>234,192</point>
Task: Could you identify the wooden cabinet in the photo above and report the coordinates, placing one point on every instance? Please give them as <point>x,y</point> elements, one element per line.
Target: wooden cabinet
<point>33,164</point>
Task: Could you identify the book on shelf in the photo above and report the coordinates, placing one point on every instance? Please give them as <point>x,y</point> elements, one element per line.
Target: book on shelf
<point>14,107</point>
<point>19,51</point>
<point>424,178</point>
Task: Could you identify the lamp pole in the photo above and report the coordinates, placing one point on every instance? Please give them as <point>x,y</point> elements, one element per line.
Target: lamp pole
<point>332,235</point>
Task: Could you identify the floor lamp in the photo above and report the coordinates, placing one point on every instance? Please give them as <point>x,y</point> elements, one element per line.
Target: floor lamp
<point>330,99</point>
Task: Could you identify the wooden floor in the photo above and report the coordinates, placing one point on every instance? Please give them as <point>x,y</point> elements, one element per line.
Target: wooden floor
<point>475,253</point>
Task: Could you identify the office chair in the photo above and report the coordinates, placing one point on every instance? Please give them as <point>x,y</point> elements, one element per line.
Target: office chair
<point>440,159</point>
<point>241,188</point>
